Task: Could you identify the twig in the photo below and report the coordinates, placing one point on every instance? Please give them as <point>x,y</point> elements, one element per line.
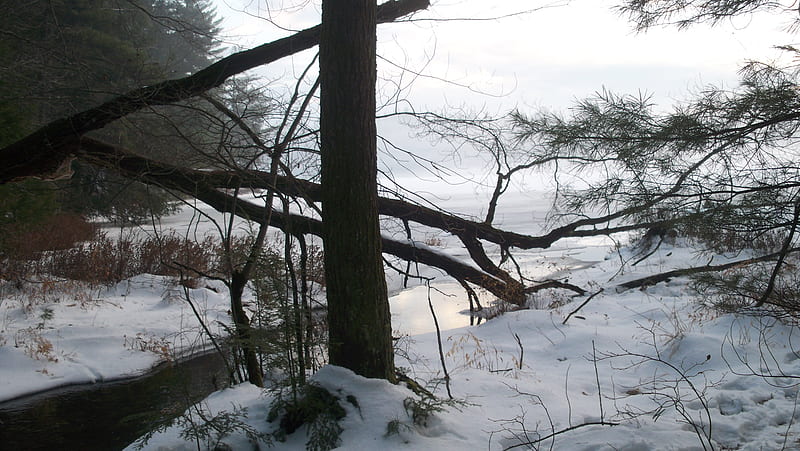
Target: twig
<point>472,296</point>
<point>439,341</point>
<point>406,274</point>
<point>408,262</point>
<point>562,431</point>
<point>649,253</point>
<point>207,331</point>
<point>597,378</point>
<point>704,435</point>
<point>521,350</point>
<point>581,306</point>
<point>566,395</point>
<point>791,421</point>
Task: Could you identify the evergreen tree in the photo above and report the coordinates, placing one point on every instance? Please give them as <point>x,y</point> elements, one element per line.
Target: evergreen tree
<point>28,203</point>
<point>65,56</point>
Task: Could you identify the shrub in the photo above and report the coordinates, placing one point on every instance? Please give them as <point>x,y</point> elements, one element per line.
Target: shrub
<point>315,407</point>
<point>57,232</point>
<point>106,261</point>
<point>207,430</point>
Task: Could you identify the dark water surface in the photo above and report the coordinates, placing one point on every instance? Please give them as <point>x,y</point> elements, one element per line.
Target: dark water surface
<point>107,415</point>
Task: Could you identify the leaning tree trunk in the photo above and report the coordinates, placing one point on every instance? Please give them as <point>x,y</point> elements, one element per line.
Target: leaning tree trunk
<point>244,335</point>
<point>358,306</point>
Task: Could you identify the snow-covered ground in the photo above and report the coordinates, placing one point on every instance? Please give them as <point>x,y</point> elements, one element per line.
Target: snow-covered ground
<point>56,334</point>
<point>666,372</point>
<point>657,369</point>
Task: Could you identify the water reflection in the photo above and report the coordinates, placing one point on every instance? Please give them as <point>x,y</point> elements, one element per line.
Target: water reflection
<point>107,416</point>
<point>411,315</point>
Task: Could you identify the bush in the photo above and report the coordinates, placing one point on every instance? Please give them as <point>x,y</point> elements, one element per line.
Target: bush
<point>104,260</point>
<point>57,232</point>
<point>315,407</point>
<point>740,289</point>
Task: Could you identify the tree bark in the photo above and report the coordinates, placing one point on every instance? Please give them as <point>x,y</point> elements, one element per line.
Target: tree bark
<point>358,306</point>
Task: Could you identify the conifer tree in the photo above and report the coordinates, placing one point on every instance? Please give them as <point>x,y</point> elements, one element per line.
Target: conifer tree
<point>60,56</point>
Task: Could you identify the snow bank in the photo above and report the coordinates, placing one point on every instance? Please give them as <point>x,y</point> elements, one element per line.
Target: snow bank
<point>78,335</point>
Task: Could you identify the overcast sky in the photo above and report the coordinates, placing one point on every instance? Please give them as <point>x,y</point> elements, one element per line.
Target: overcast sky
<point>546,59</point>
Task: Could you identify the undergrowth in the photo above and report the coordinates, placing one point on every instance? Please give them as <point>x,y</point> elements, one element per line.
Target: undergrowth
<point>105,261</point>
<point>207,431</point>
<point>422,412</point>
<point>61,231</point>
<point>314,407</point>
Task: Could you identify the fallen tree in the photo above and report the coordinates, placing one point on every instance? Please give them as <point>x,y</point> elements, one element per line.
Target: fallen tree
<point>211,187</point>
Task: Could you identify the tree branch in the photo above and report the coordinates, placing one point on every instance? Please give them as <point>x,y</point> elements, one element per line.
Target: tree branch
<point>44,150</point>
<point>204,186</point>
<point>666,276</point>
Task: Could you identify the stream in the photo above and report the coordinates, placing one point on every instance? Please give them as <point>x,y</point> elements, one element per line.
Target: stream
<point>111,415</point>
<point>108,415</point>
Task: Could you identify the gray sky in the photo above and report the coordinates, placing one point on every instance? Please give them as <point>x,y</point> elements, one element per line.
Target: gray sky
<point>564,51</point>
<point>545,58</point>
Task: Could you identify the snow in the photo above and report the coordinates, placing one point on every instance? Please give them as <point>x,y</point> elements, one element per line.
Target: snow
<point>102,334</point>
<point>655,366</point>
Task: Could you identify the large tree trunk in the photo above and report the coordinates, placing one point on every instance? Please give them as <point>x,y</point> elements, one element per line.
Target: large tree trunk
<point>358,305</point>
